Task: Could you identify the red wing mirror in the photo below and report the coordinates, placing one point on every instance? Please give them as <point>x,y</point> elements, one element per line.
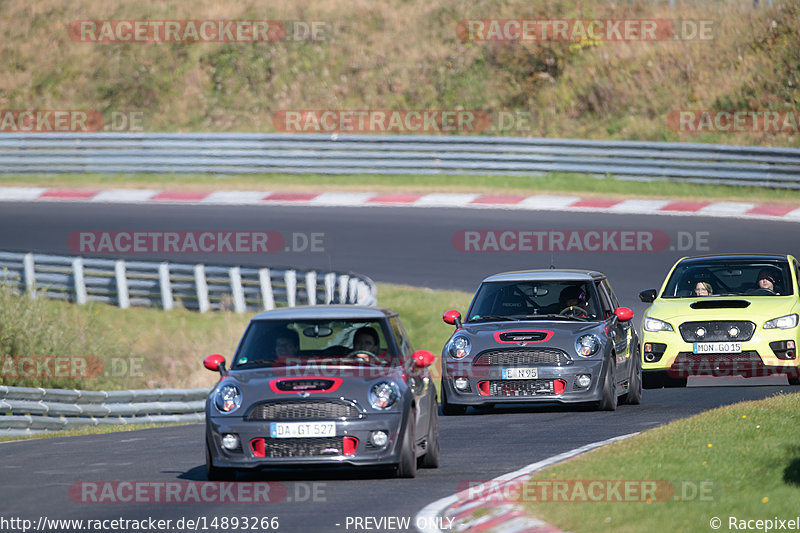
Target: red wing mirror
<point>452,317</point>
<point>213,362</point>
<point>423,358</point>
<point>623,314</point>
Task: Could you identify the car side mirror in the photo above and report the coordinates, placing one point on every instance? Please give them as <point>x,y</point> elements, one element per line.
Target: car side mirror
<point>215,363</point>
<point>423,358</point>
<point>648,296</point>
<point>453,318</point>
<point>623,314</point>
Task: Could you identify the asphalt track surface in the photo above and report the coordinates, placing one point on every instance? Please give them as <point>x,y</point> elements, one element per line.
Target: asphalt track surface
<point>399,245</point>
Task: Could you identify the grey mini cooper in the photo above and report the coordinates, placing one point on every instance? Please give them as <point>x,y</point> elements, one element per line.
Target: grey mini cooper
<point>542,336</point>
<point>322,385</point>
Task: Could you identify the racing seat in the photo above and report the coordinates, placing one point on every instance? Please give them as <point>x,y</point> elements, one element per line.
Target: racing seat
<point>513,304</point>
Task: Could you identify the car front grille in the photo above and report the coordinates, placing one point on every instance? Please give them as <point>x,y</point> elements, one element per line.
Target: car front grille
<point>304,410</point>
<point>522,357</point>
<point>521,387</point>
<point>744,363</point>
<point>717,330</point>
<point>311,447</point>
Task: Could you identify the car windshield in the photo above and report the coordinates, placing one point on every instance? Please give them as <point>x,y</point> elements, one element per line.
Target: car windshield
<point>729,278</point>
<point>517,300</point>
<point>270,343</point>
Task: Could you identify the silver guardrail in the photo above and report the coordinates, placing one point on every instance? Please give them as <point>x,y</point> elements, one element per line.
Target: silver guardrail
<point>27,410</point>
<point>193,286</point>
<point>236,153</point>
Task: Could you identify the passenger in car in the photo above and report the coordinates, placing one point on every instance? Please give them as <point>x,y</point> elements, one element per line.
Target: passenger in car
<point>703,289</point>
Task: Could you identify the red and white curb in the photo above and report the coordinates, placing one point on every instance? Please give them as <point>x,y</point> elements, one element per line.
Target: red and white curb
<point>459,510</point>
<point>357,199</point>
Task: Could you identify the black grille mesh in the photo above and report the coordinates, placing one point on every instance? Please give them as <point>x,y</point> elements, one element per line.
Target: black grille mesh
<point>304,410</point>
<point>311,447</point>
<point>522,357</point>
<point>521,387</point>
<point>717,330</point>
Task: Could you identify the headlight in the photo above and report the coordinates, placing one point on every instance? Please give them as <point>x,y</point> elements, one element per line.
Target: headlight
<point>459,347</point>
<point>383,394</point>
<point>782,322</point>
<point>587,345</point>
<point>654,324</point>
<point>228,398</point>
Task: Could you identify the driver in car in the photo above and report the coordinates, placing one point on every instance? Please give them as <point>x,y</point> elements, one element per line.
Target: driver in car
<point>573,299</point>
<point>366,340</point>
<point>766,281</point>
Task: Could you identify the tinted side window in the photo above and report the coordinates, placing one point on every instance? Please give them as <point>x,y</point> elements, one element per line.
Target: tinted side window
<point>611,293</point>
<point>403,342</point>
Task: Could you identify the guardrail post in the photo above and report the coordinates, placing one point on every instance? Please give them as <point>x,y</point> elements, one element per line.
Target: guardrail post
<point>201,286</point>
<point>353,291</point>
<point>330,287</point>
<point>235,275</point>
<point>343,288</point>
<point>265,280</point>
<point>79,281</point>
<point>311,287</point>
<point>167,302</point>
<point>123,298</point>
<point>30,274</point>
<point>291,287</point>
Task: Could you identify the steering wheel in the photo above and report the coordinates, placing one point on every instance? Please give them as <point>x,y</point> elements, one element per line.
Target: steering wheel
<point>762,292</point>
<point>574,310</point>
<point>363,355</point>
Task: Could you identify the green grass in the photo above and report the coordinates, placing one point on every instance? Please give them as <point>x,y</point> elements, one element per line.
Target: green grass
<point>93,430</point>
<point>553,184</point>
<point>745,457</point>
<point>150,348</point>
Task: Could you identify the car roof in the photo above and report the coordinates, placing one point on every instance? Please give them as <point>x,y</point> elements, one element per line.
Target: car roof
<point>546,275</point>
<point>738,257</point>
<point>326,312</point>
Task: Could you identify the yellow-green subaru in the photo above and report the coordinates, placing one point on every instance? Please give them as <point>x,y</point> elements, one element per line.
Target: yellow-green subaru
<point>722,315</point>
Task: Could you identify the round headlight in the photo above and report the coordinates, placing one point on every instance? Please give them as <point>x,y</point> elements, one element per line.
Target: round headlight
<point>383,394</point>
<point>228,398</point>
<point>587,345</point>
<point>459,347</point>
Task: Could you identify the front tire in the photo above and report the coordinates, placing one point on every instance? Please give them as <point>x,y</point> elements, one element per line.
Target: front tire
<point>215,473</point>
<point>449,409</point>
<point>634,394</point>
<point>431,457</point>
<point>407,467</point>
<point>609,400</point>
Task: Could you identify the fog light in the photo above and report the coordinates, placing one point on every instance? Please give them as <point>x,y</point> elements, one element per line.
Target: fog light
<point>461,383</point>
<point>230,441</point>
<point>583,380</point>
<point>649,357</point>
<point>379,438</point>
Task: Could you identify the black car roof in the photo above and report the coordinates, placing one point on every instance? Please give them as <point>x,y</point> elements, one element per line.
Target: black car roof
<point>547,275</point>
<point>326,312</point>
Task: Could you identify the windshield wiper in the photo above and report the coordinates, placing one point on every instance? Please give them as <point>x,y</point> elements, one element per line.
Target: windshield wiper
<point>491,318</point>
<point>553,315</point>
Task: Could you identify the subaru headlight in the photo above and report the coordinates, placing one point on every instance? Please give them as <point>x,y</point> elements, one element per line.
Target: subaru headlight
<point>782,322</point>
<point>228,398</point>
<point>459,347</point>
<point>383,394</point>
<point>587,345</point>
<point>654,324</point>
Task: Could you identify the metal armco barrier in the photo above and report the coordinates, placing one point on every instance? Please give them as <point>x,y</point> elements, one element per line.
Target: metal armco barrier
<point>200,287</point>
<point>237,153</point>
<point>26,411</point>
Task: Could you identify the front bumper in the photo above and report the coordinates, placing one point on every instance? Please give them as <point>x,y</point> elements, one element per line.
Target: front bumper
<point>488,379</point>
<point>365,453</point>
<point>765,354</point>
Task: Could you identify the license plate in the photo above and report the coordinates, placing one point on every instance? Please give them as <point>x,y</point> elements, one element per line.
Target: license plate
<point>520,373</point>
<point>717,347</point>
<point>301,430</point>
